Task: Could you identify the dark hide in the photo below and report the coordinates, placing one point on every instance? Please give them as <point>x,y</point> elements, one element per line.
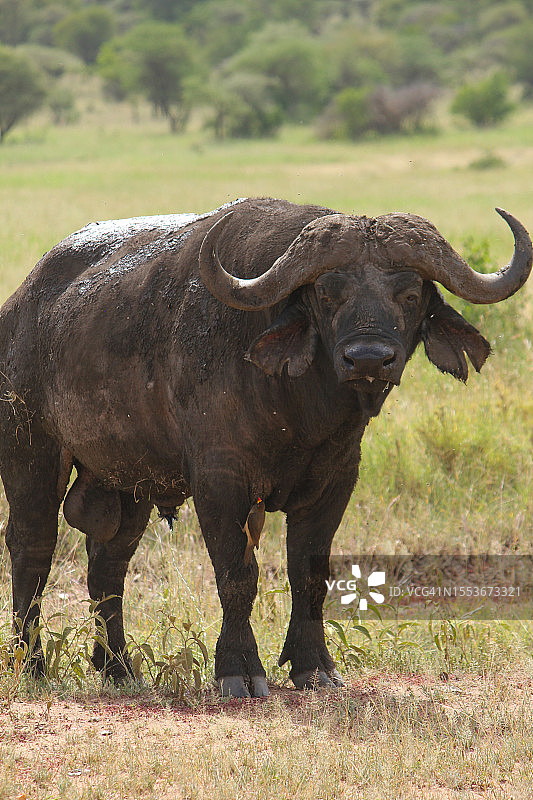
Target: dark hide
<point>115,357</point>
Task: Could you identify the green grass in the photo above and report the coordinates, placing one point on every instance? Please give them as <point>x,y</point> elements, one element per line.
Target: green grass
<point>63,178</point>
<point>444,467</point>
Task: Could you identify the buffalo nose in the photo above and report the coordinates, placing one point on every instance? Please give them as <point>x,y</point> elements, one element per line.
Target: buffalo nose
<point>372,359</point>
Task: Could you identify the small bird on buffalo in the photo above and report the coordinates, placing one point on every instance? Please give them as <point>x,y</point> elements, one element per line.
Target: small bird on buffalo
<point>253,527</point>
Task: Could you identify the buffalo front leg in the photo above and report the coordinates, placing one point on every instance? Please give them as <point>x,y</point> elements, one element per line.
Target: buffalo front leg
<point>309,536</point>
<point>107,567</point>
<point>238,668</point>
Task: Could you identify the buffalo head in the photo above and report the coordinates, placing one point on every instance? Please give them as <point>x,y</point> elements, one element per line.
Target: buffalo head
<point>364,289</point>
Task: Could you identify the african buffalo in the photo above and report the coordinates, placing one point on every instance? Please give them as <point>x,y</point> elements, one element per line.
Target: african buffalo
<point>235,357</point>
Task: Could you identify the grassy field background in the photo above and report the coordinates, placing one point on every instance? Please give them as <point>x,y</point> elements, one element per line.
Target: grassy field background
<point>428,712</point>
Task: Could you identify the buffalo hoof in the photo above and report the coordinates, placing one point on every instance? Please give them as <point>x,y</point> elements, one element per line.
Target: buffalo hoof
<point>259,686</point>
<point>116,669</point>
<point>37,665</point>
<point>317,679</point>
<point>236,686</point>
<point>233,686</point>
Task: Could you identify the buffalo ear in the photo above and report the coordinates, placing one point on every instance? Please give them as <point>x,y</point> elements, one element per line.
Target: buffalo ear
<point>447,336</point>
<point>290,340</point>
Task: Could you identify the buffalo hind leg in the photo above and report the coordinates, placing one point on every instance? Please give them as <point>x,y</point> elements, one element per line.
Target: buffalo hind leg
<point>238,668</point>
<point>309,536</point>
<point>107,567</point>
<point>30,469</point>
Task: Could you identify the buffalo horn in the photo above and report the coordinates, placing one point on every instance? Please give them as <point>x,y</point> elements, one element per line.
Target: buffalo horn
<point>415,242</point>
<point>336,241</point>
<point>325,243</point>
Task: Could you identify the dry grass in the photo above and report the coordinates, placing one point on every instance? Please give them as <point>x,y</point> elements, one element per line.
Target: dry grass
<point>410,723</point>
<point>385,736</point>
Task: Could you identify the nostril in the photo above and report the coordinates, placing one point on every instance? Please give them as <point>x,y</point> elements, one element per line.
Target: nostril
<point>364,358</point>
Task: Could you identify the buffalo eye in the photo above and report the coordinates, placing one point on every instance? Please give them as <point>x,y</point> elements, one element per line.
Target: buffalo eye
<point>409,298</point>
<point>330,287</point>
<point>407,290</point>
<point>322,294</point>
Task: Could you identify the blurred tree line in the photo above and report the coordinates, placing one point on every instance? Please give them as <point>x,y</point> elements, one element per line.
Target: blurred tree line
<point>353,67</point>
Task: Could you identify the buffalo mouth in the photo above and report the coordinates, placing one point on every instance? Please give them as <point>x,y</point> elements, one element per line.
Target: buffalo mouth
<point>371,393</point>
<point>370,385</point>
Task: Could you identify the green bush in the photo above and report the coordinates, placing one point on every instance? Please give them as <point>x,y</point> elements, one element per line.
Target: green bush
<point>352,106</point>
<point>62,104</point>
<point>242,106</point>
<point>485,102</point>
<point>355,112</point>
<point>488,160</point>
<point>53,62</point>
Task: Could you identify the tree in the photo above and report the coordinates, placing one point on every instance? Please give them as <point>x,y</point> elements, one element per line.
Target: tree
<point>518,48</point>
<point>363,55</point>
<point>485,102</point>
<point>418,60</point>
<point>153,59</point>
<point>168,10</point>
<point>358,56</point>
<point>21,89</point>
<point>242,106</point>
<point>294,61</point>
<point>44,19</point>
<point>84,32</point>
<point>14,21</point>
<point>220,27</point>
<point>117,64</point>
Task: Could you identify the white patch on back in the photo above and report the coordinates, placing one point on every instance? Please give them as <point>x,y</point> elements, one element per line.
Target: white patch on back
<point>108,236</point>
